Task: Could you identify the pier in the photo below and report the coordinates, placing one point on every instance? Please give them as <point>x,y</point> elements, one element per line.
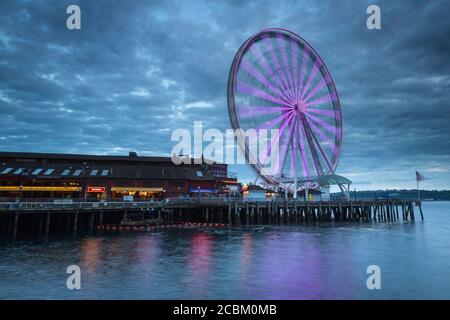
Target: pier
<point>44,218</point>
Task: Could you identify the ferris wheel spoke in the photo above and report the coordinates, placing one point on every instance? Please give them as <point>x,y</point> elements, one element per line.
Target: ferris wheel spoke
<point>286,66</point>
<point>293,167</point>
<point>329,97</point>
<point>256,51</point>
<point>264,153</point>
<point>312,149</point>
<point>252,91</point>
<point>294,151</point>
<point>294,53</point>
<point>251,111</point>
<point>301,144</point>
<point>322,83</point>
<point>314,138</point>
<point>323,112</point>
<point>293,159</point>
<point>302,72</point>
<point>331,129</point>
<point>278,68</point>
<point>286,142</point>
<point>315,68</point>
<point>255,73</point>
<point>321,134</point>
<point>271,123</point>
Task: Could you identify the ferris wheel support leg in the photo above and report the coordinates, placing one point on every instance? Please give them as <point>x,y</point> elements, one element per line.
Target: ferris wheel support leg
<point>295,188</point>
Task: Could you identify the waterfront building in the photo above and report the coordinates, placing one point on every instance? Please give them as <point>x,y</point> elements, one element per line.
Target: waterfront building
<point>90,177</point>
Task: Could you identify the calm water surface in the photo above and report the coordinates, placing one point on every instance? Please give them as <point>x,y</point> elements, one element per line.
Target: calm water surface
<point>272,262</point>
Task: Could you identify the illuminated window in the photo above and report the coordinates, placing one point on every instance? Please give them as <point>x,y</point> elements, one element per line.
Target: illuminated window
<point>6,170</point>
<point>105,173</point>
<point>199,174</point>
<point>65,172</point>
<point>49,172</point>
<point>18,171</point>
<point>94,173</point>
<point>37,171</point>
<point>77,173</point>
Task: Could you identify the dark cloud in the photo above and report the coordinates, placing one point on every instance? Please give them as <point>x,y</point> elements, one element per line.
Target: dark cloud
<point>138,70</point>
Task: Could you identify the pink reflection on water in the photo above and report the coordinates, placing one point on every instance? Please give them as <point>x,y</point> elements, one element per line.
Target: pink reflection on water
<point>305,266</point>
<point>247,251</point>
<point>198,264</point>
<point>199,257</point>
<point>148,249</point>
<point>296,279</point>
<point>90,254</point>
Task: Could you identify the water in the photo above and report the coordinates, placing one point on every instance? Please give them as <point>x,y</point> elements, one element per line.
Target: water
<point>272,262</point>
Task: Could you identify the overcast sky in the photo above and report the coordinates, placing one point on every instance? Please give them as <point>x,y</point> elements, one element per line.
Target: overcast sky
<point>137,70</point>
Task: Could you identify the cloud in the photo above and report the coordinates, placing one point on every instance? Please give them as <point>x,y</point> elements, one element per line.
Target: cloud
<point>199,104</point>
<point>135,72</point>
<point>140,92</point>
<point>438,170</point>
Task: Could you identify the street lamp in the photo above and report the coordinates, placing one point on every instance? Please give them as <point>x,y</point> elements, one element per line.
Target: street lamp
<point>85,167</point>
<point>20,191</point>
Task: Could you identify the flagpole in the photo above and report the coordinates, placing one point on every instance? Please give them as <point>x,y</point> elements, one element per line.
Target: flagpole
<point>417,181</point>
<point>418,190</point>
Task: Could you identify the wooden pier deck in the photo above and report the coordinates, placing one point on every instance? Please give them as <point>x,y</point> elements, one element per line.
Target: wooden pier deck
<point>43,218</point>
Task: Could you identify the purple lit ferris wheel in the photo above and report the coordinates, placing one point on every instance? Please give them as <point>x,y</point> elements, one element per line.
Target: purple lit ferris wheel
<point>278,81</point>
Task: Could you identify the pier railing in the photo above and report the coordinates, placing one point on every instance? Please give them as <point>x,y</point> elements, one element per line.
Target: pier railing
<point>170,202</point>
<point>46,206</point>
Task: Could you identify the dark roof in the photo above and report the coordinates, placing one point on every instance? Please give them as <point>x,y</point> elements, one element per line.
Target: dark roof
<point>118,167</point>
<point>85,157</point>
<point>66,156</point>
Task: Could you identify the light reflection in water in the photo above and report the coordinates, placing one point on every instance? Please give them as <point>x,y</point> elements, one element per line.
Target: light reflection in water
<point>198,264</point>
<point>271,262</point>
<point>90,254</point>
<point>199,258</point>
<point>246,255</point>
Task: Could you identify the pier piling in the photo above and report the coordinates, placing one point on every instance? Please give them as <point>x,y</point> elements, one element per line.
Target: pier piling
<point>420,208</point>
<point>75,223</point>
<point>15,224</point>
<point>40,221</point>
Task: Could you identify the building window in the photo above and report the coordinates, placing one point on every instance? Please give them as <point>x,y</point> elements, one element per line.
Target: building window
<point>37,171</point>
<point>104,173</point>
<point>18,171</point>
<point>199,174</point>
<point>77,173</point>
<point>7,170</point>
<point>49,172</point>
<point>94,173</point>
<point>65,172</point>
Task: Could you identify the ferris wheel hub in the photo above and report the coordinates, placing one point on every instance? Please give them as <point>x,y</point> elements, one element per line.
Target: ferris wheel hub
<point>299,107</point>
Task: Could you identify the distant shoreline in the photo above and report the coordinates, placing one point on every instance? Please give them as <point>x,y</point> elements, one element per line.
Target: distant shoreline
<point>425,195</point>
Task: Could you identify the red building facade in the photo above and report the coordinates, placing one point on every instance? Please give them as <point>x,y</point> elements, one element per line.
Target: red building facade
<point>50,176</point>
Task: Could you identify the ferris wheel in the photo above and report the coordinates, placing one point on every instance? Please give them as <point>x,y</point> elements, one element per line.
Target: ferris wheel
<point>278,81</point>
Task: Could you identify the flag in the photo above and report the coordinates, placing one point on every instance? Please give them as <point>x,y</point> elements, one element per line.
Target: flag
<point>419,177</point>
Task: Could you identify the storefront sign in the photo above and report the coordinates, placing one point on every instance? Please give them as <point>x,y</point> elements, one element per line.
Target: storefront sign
<point>96,189</point>
<point>201,190</point>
